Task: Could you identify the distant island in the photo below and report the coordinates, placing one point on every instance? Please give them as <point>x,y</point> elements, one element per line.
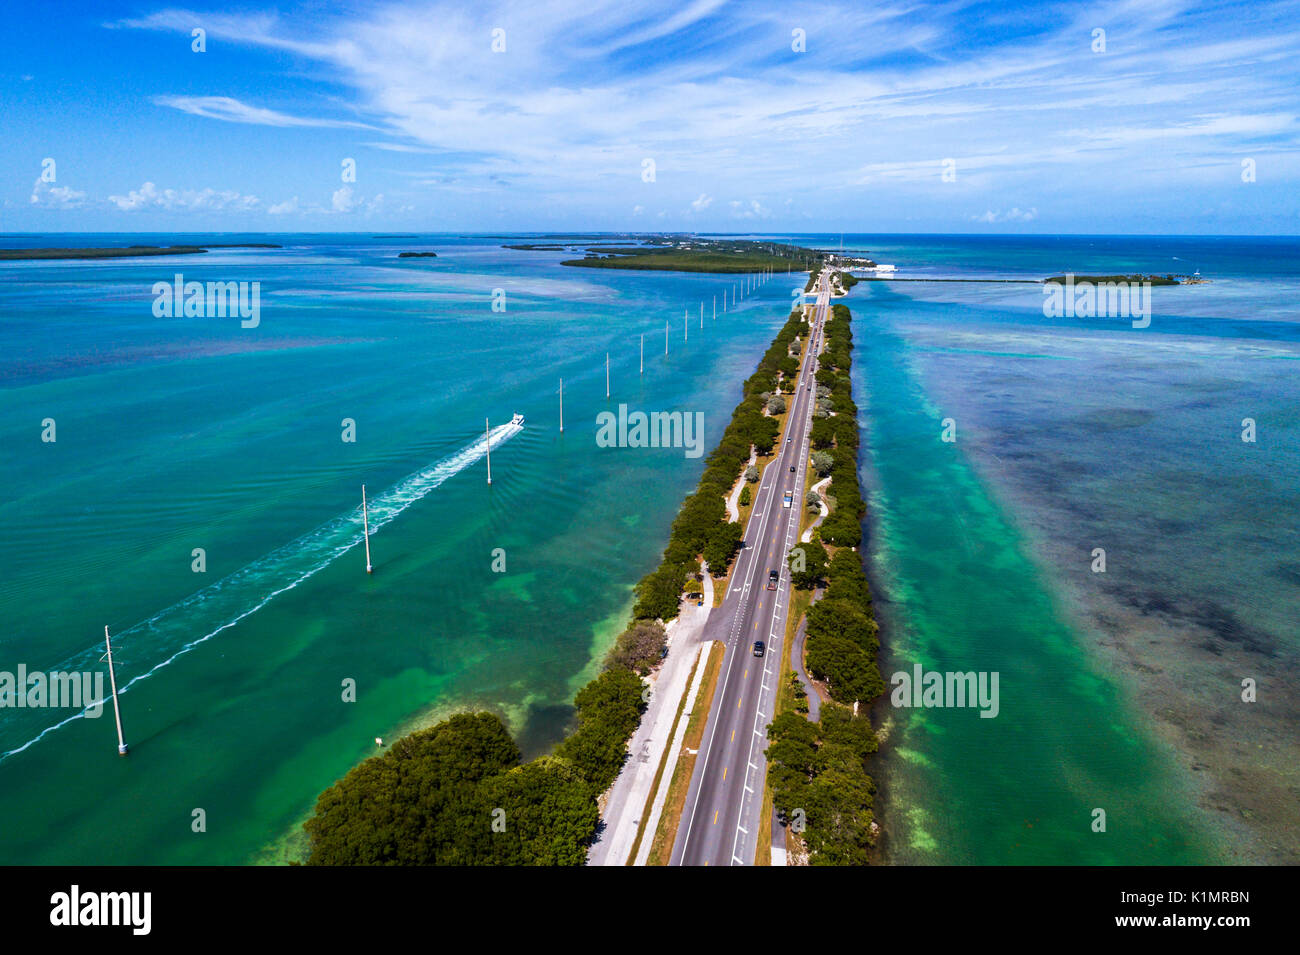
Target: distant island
<point>124,252</point>
<point>417,255</point>
<point>1118,279</point>
<point>692,254</point>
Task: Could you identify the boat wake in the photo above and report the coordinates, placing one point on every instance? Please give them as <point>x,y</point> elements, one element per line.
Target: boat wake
<point>153,644</point>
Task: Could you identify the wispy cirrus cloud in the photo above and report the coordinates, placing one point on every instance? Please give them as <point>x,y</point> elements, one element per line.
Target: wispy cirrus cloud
<point>233,111</point>
<point>718,96</point>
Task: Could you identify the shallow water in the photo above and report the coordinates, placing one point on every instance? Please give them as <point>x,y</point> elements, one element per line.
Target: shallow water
<point>1118,691</point>
<point>1074,435</point>
<point>176,434</point>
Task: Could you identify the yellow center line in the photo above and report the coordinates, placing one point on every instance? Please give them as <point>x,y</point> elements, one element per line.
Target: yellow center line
<point>715,817</point>
<point>724,774</point>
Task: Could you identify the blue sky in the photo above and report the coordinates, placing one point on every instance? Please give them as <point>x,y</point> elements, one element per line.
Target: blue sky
<point>1045,132</point>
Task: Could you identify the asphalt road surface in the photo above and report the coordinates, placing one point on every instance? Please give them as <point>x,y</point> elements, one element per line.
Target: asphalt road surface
<point>723,809</point>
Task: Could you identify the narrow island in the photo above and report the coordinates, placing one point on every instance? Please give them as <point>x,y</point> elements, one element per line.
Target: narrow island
<point>417,255</point>
<point>125,252</point>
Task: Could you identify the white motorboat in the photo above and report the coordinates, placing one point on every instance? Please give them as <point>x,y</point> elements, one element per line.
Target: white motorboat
<point>517,420</point>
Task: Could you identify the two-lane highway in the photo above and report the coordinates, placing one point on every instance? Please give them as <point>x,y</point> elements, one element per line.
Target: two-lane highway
<point>723,809</point>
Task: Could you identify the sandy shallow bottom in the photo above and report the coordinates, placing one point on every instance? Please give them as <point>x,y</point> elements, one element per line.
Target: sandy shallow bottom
<point>1201,588</point>
<point>1182,662</point>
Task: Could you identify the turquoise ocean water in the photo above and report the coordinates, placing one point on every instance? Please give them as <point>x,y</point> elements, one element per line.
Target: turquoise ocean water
<point>176,434</point>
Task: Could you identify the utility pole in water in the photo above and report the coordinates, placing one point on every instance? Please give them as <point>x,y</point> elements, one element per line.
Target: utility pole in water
<point>365,528</point>
<point>112,681</point>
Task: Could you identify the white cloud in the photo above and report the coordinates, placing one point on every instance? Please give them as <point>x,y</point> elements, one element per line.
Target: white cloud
<point>288,207</point>
<point>55,197</point>
<point>753,209</point>
<point>342,200</point>
<point>585,93</point>
<point>345,201</point>
<point>1011,215</point>
<point>149,196</point>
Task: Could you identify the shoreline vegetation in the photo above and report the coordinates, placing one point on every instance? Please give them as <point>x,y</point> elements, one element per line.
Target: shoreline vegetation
<point>457,793</point>
<point>124,252</point>
<point>818,771</point>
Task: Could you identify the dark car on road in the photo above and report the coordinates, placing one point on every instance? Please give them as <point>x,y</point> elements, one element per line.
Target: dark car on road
<point>772,578</point>
<point>758,648</point>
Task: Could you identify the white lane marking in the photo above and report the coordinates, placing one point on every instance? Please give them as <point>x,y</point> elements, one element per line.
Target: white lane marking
<point>804,439</point>
<point>735,629</point>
